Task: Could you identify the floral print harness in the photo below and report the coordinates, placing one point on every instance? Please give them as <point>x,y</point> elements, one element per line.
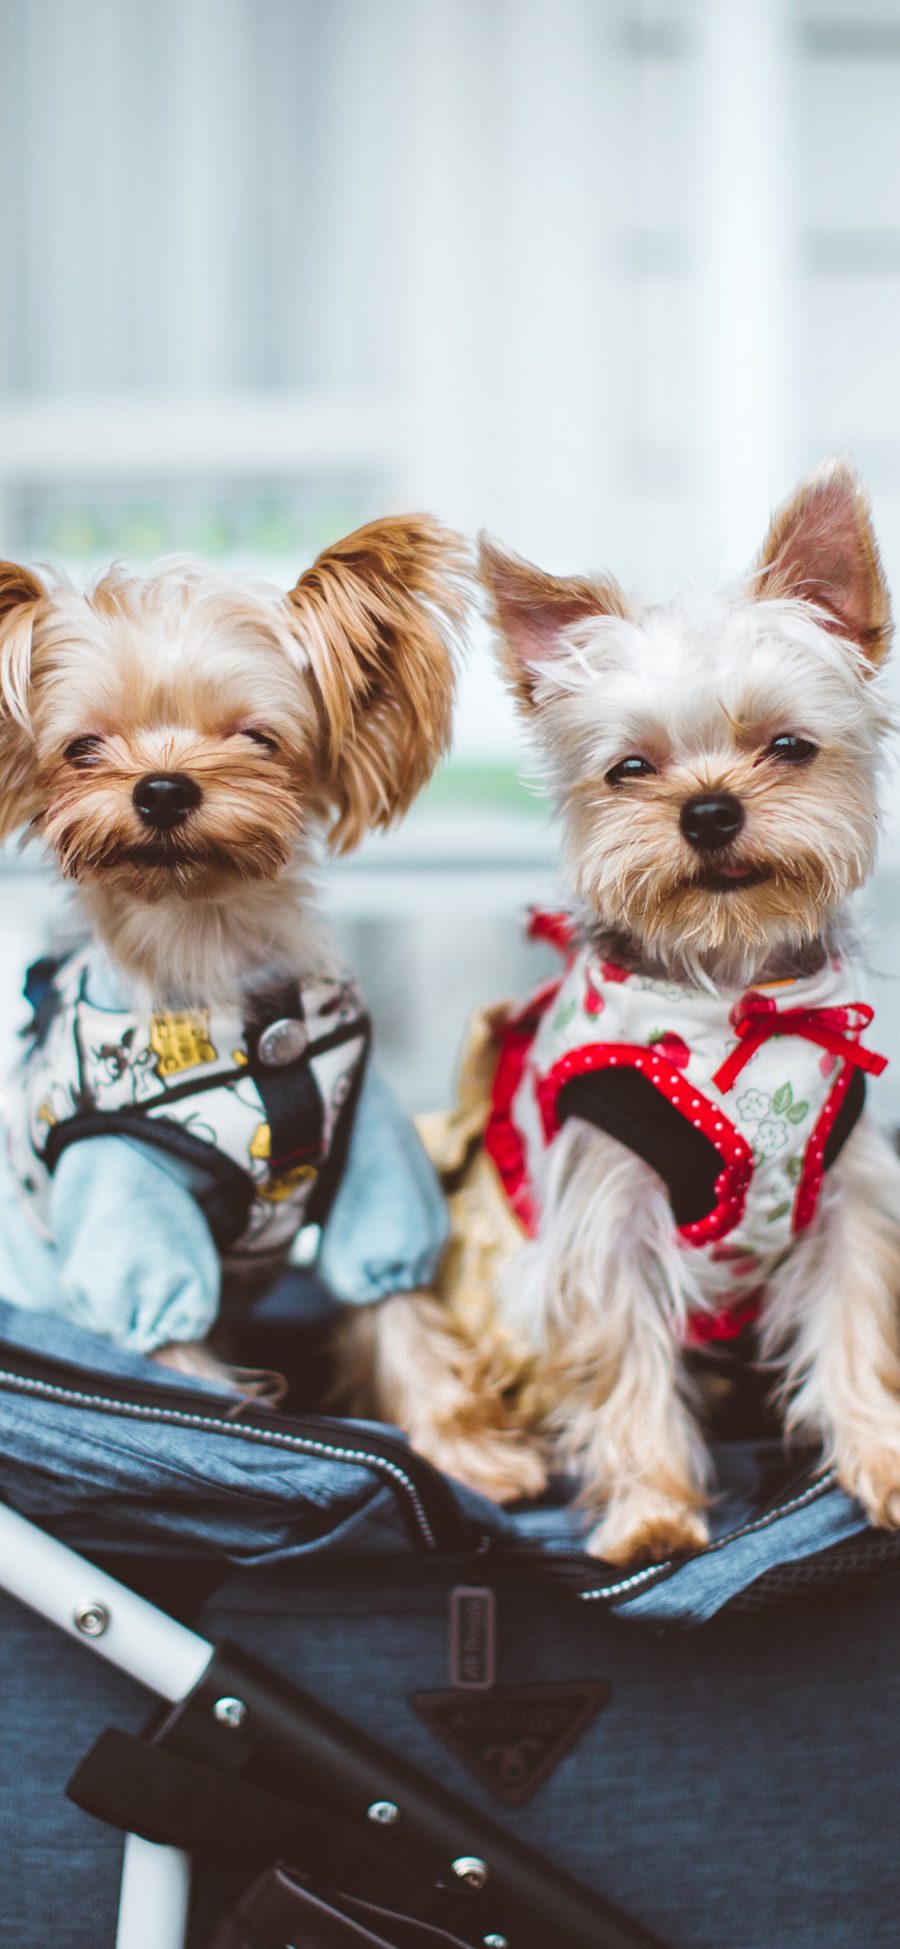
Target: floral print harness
<point>740,1102</point>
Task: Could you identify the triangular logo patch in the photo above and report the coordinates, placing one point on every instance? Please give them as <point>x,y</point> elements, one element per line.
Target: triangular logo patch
<point>515,1735</point>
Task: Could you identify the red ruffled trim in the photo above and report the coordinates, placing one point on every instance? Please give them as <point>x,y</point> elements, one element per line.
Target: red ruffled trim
<point>505,1146</point>
<point>726,1324</point>
<point>813,1171</point>
<point>502,1138</point>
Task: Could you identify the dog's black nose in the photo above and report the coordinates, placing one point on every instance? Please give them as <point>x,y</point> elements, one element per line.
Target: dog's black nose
<point>712,820</point>
<point>164,798</point>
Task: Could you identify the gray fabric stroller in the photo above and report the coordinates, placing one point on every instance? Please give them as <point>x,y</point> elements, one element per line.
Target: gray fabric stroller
<point>427,1722</point>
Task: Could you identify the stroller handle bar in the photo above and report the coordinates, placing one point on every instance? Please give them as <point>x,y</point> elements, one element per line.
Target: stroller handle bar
<point>83,1601</point>
<point>152,1648</point>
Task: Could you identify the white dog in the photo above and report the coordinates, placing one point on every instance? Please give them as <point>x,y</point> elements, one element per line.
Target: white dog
<point>674,1125</point>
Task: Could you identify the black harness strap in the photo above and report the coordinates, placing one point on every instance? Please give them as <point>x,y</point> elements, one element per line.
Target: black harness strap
<point>290,1094</point>
<point>230,1195</point>
<point>292,1100</point>
<point>290,1097</point>
<point>847,1118</point>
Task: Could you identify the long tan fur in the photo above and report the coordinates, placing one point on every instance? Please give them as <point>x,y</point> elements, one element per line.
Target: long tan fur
<point>378,614</point>
<point>326,709</point>
<point>701,690</point>
<point>321,711</point>
<point>21,597</point>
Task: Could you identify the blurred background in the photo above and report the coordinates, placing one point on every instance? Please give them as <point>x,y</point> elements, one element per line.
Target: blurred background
<point>603,276</point>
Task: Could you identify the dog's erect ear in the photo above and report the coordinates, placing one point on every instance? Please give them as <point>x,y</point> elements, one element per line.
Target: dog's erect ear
<point>20,595</point>
<point>380,616</point>
<point>821,548</point>
<point>530,609</point>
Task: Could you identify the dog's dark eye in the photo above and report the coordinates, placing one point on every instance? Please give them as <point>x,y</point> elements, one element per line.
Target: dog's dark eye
<point>790,750</point>
<point>84,751</point>
<point>261,737</point>
<point>629,768</point>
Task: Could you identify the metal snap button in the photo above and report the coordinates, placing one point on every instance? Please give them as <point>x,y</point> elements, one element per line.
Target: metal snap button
<point>282,1041</point>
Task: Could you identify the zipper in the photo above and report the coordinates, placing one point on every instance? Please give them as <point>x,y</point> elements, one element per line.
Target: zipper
<point>657,1573</point>
<point>426,1499</point>
<point>569,1566</point>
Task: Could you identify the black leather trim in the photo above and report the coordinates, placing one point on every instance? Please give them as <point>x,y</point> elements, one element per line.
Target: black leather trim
<point>226,1205</point>
<point>625,1104</point>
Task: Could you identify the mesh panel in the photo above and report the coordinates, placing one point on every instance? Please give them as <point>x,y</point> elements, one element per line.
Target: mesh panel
<point>848,1566</point>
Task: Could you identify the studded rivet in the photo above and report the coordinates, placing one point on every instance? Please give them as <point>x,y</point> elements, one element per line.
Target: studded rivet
<point>92,1620</point>
<point>282,1042</point>
<point>471,1869</point>
<point>230,1712</point>
<point>384,1813</point>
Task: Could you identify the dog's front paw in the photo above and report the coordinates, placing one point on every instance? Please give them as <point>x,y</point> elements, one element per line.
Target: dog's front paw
<point>872,1476</point>
<point>502,1464</point>
<point>645,1527</point>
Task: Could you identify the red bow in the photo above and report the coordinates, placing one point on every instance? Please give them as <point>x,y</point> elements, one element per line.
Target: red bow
<point>758,1016</point>
<point>558,929</point>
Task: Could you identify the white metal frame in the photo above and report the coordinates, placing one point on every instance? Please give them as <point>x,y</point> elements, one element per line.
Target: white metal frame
<point>162,1654</point>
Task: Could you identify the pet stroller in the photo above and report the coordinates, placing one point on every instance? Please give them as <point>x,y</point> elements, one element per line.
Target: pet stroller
<point>426,1722</point>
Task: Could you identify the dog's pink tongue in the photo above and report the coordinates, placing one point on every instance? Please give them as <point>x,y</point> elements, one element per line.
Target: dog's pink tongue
<point>735,872</point>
